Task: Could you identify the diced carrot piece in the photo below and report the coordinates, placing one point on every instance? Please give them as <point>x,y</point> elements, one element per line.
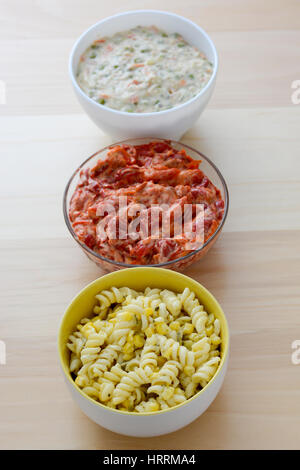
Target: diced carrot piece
<point>134,82</point>
<point>135,66</point>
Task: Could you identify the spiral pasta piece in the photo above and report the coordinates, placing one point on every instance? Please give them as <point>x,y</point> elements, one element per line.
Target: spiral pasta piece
<point>177,398</point>
<point>113,295</point>
<point>130,383</point>
<point>206,371</point>
<point>145,351</point>
<point>173,303</point>
<point>171,349</point>
<point>92,347</point>
<point>190,387</point>
<point>108,382</point>
<point>201,351</point>
<point>76,343</point>
<point>75,363</point>
<point>148,406</point>
<point>194,309</point>
<point>133,363</point>
<point>125,322</point>
<point>167,375</point>
<point>105,360</point>
<point>105,391</point>
<point>148,361</point>
<point>143,311</point>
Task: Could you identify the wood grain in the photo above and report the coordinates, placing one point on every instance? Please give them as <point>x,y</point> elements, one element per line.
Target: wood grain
<point>250,131</point>
<point>67,18</point>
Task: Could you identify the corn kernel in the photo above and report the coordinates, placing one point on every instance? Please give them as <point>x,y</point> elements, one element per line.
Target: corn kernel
<point>149,312</point>
<point>128,348</point>
<point>149,331</point>
<point>188,329</point>
<point>161,329</point>
<point>127,316</point>
<point>97,309</point>
<point>128,356</point>
<point>175,325</point>
<point>138,341</point>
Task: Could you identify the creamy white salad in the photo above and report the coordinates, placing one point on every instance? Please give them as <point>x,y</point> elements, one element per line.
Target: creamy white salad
<point>143,70</point>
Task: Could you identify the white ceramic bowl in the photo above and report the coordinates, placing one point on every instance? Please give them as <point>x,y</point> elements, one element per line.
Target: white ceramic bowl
<point>171,123</point>
<point>131,423</point>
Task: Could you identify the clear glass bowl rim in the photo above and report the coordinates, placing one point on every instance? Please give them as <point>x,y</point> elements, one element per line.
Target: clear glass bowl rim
<point>159,265</point>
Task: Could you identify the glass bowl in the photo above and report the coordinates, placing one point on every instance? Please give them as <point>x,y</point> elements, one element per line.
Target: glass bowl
<point>179,264</point>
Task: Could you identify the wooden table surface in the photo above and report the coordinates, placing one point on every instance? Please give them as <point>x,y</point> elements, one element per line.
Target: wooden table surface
<point>250,130</point>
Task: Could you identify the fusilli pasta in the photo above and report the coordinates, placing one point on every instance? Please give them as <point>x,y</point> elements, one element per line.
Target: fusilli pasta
<point>145,351</point>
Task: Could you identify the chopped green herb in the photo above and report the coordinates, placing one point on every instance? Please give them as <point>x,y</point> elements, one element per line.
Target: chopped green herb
<point>94,46</point>
<point>101,101</point>
<point>191,75</point>
<point>92,56</point>
<point>116,66</point>
<point>145,50</point>
<point>180,44</point>
<point>164,35</point>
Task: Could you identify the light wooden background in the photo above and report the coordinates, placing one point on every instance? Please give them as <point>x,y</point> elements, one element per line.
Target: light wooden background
<point>250,130</point>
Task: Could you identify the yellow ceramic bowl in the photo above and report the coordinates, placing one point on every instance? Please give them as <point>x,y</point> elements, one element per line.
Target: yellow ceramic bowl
<point>131,423</point>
